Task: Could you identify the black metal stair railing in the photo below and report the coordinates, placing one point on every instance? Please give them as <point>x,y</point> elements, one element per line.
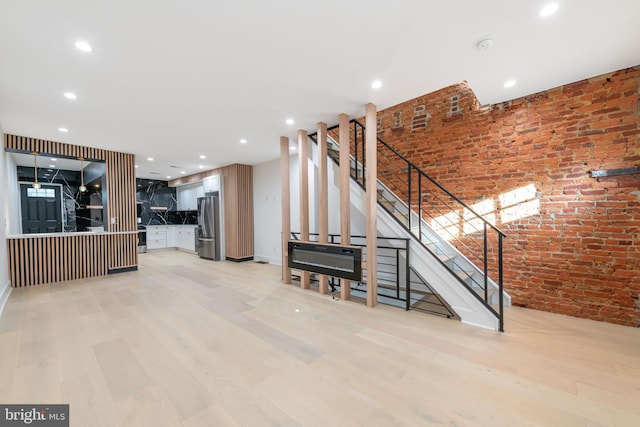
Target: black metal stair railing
<point>435,217</point>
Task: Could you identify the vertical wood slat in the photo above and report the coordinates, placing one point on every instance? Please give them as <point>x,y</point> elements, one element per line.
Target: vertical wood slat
<point>21,143</point>
<point>238,211</point>
<point>323,199</point>
<point>345,195</point>
<point>62,258</point>
<point>285,204</point>
<point>303,167</point>
<point>230,206</point>
<point>371,165</point>
<point>36,260</point>
<point>246,211</point>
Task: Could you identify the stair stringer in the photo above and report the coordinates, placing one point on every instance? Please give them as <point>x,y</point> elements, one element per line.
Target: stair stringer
<point>466,305</point>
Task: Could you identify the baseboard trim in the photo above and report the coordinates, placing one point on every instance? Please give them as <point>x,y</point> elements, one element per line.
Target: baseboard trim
<point>249,258</point>
<point>122,270</point>
<point>4,296</point>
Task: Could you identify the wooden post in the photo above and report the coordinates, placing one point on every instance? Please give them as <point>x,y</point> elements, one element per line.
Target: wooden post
<point>285,203</point>
<point>303,155</point>
<point>323,198</point>
<point>371,143</point>
<point>345,195</point>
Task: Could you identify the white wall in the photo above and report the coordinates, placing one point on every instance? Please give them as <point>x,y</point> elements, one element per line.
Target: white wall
<point>12,197</point>
<point>267,210</point>
<point>5,287</point>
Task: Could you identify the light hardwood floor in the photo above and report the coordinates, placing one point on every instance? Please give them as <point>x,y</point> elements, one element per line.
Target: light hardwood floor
<point>189,342</point>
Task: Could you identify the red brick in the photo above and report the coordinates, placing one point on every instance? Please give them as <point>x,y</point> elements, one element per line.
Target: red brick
<point>580,255</point>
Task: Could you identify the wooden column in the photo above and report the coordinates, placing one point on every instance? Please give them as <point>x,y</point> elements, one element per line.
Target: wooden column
<point>285,203</point>
<point>323,198</point>
<point>345,194</point>
<point>303,167</point>
<point>371,142</point>
<point>238,212</point>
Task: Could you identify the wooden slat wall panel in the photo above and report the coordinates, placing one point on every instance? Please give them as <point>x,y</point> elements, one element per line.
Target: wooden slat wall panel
<point>59,258</point>
<point>23,143</point>
<point>123,251</point>
<point>36,260</point>
<point>121,186</point>
<point>238,211</point>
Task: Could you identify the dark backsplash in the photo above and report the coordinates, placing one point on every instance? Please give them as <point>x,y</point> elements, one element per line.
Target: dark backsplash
<point>157,204</point>
<point>77,217</point>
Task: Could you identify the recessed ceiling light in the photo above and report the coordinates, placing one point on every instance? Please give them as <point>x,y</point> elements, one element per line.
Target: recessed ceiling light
<point>182,172</point>
<point>549,9</point>
<point>83,46</point>
<point>510,83</point>
<point>202,156</point>
<point>52,166</point>
<point>200,167</point>
<point>65,130</point>
<point>243,141</point>
<point>70,95</point>
<point>136,166</point>
<point>376,84</point>
<point>54,160</point>
<point>150,159</point>
<point>290,121</point>
<point>168,176</point>
<point>292,147</point>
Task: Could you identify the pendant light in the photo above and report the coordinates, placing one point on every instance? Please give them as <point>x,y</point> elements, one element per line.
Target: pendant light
<point>82,188</point>
<point>35,184</point>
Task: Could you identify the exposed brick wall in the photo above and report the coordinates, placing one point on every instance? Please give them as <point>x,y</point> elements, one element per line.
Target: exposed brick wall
<point>578,253</point>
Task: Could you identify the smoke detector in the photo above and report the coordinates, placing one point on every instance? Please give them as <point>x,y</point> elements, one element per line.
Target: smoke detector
<point>484,43</point>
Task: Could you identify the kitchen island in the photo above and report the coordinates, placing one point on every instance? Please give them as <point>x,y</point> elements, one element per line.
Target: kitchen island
<point>40,258</point>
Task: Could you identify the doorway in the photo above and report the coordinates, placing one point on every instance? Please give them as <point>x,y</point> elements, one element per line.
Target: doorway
<point>41,208</point>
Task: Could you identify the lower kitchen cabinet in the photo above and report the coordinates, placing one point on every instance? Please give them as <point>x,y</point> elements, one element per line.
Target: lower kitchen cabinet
<point>186,238</point>
<point>171,236</point>
<point>156,236</point>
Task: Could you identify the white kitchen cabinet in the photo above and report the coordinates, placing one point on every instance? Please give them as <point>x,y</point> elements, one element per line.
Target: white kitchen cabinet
<point>172,236</point>
<point>187,196</point>
<point>156,236</point>
<point>186,237</point>
<point>211,183</point>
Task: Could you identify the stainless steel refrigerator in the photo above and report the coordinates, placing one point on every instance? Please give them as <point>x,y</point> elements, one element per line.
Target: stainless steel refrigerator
<point>208,233</point>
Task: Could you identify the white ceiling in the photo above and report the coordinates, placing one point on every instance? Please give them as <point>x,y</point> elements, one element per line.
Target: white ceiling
<point>174,79</point>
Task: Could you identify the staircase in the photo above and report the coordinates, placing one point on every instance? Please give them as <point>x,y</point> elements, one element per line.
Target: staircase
<point>463,242</point>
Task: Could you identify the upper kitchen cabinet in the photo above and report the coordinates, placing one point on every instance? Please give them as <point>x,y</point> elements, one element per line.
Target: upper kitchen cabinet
<point>211,183</point>
<point>187,196</point>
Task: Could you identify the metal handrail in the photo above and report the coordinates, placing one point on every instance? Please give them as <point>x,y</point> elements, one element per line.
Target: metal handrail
<point>421,172</point>
<point>411,167</point>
